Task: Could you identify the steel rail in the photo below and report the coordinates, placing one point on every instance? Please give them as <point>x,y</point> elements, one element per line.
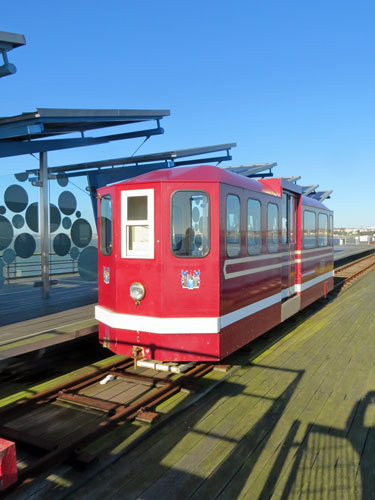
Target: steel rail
<point>365,264</point>
<point>73,450</point>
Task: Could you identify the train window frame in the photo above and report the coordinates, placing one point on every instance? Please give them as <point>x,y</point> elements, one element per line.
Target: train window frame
<point>275,248</point>
<point>330,230</point>
<point>106,244</point>
<point>257,249</point>
<point>305,245</point>
<point>325,235</point>
<point>172,249</point>
<point>128,224</point>
<point>238,247</point>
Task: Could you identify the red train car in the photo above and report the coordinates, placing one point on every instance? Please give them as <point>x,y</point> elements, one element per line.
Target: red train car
<point>195,262</point>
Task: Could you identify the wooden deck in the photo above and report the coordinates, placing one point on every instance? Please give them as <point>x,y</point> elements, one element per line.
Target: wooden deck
<point>298,421</point>
<point>27,319</point>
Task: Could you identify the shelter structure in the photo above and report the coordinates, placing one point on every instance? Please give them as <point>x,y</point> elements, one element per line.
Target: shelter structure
<point>30,133</point>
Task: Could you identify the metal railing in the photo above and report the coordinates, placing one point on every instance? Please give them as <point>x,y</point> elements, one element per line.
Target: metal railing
<point>22,269</point>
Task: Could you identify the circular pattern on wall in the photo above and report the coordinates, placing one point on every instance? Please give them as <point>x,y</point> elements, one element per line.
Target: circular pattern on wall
<point>2,210</point>
<point>81,233</point>
<point>21,176</point>
<point>18,221</point>
<point>62,179</point>
<point>78,214</point>
<point>88,264</point>
<point>16,198</point>
<point>54,218</point>
<point>9,255</point>
<point>74,253</point>
<point>6,232</point>
<point>61,244</point>
<point>24,245</point>
<point>32,217</point>
<point>67,203</point>
<point>66,223</point>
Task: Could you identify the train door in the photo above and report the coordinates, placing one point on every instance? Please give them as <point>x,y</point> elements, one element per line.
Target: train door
<point>106,269</point>
<point>290,301</point>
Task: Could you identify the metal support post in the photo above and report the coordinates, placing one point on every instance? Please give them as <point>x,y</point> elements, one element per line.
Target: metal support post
<point>44,223</point>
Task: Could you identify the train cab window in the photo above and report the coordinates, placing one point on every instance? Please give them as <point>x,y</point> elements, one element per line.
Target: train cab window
<point>330,231</point>
<point>309,229</point>
<point>137,228</point>
<point>190,235</point>
<point>233,233</point>
<point>273,228</point>
<point>323,230</point>
<point>254,238</point>
<point>106,225</point>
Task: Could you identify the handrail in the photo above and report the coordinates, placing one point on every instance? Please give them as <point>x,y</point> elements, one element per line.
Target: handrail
<point>21,268</point>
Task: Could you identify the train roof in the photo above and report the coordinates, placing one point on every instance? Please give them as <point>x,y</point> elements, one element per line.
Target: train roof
<point>202,173</point>
<point>208,173</point>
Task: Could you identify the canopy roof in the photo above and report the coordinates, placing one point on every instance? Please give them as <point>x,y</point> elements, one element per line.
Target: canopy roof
<point>18,134</point>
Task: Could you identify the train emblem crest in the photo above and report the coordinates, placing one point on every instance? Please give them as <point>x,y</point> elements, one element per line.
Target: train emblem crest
<point>190,280</point>
<point>106,275</point>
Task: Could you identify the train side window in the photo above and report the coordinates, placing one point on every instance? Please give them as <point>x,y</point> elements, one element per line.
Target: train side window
<point>323,230</point>
<point>233,232</point>
<point>137,228</point>
<point>273,228</point>
<point>190,234</point>
<point>254,237</point>
<point>284,219</point>
<point>309,229</point>
<point>106,225</point>
<point>330,232</point>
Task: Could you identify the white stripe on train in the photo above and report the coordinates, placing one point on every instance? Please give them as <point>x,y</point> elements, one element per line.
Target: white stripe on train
<point>167,326</point>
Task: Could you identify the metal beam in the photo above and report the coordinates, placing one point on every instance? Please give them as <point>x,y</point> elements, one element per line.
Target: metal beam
<point>154,157</point>
<point>16,148</point>
<point>321,195</point>
<point>293,178</point>
<point>252,170</point>
<point>306,190</point>
<point>44,223</point>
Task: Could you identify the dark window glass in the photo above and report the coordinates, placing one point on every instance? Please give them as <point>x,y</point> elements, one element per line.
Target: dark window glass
<point>190,224</point>
<point>284,220</point>
<point>254,235</point>
<point>309,229</point>
<point>273,228</point>
<point>292,218</point>
<point>106,225</point>
<point>233,233</point>
<point>137,208</point>
<point>330,237</point>
<point>323,230</point>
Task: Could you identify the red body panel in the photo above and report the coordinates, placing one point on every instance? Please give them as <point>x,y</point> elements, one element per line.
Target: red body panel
<point>238,298</point>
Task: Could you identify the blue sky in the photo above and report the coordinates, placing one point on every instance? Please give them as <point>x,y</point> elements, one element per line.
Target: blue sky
<point>290,81</point>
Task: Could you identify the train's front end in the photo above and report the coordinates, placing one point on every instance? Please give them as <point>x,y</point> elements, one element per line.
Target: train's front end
<point>158,267</point>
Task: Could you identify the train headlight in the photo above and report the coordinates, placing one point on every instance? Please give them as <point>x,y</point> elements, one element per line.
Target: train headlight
<point>137,291</point>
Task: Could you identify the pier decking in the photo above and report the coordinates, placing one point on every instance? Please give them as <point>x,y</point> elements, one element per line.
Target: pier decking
<point>296,421</point>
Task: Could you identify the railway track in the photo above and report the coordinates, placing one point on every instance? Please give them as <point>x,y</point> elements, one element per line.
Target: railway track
<point>348,273</point>
<point>85,395</point>
<point>127,396</point>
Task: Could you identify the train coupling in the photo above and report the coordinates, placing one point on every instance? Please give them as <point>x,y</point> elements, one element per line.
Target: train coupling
<point>137,353</point>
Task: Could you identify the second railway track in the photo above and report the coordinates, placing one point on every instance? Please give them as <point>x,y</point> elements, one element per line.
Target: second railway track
<point>348,273</point>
